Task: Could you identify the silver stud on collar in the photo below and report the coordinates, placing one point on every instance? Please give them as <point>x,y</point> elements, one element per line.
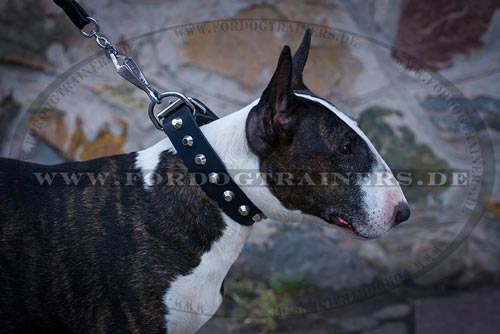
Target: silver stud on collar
<point>244,210</point>
<point>258,217</point>
<point>228,195</point>
<point>177,123</point>
<point>200,159</point>
<point>213,178</point>
<point>187,141</point>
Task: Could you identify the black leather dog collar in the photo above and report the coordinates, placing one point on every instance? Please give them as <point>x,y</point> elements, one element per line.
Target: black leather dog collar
<point>209,171</point>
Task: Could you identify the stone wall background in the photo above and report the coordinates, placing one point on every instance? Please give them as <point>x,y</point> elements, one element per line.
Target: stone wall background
<point>95,113</point>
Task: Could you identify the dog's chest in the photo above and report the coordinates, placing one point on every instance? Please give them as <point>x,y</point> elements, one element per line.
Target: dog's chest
<point>193,299</point>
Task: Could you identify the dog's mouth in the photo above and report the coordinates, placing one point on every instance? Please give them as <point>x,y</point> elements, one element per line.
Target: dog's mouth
<point>340,220</point>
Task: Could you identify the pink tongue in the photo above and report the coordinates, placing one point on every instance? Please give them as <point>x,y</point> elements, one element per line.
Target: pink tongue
<point>342,221</point>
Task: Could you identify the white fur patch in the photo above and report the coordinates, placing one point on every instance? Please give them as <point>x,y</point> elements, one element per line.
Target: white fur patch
<point>148,159</point>
<point>193,299</point>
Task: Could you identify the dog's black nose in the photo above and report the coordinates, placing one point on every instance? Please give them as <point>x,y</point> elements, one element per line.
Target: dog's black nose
<point>402,211</point>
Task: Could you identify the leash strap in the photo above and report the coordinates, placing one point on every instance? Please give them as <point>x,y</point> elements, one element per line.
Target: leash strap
<point>75,12</point>
<point>206,166</point>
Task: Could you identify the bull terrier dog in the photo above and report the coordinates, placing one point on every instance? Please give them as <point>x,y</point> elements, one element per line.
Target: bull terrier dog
<point>84,257</point>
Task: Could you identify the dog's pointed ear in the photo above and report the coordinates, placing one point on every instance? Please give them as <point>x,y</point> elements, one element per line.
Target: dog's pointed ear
<point>269,122</point>
<point>299,61</point>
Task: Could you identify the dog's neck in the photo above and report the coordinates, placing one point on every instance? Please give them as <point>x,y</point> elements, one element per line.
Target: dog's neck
<point>227,136</point>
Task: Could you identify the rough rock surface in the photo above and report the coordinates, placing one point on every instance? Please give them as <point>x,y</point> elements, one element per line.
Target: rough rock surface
<point>434,31</point>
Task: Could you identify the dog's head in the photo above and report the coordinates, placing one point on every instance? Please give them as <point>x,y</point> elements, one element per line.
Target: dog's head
<point>317,160</point>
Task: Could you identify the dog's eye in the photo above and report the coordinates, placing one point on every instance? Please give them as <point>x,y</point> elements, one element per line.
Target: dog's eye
<point>346,148</point>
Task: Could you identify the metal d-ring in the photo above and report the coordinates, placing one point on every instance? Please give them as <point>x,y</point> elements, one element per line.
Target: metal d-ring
<point>156,119</point>
<point>94,31</point>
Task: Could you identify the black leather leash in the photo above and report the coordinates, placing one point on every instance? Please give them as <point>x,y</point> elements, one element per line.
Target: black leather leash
<point>75,12</point>
<point>180,121</point>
